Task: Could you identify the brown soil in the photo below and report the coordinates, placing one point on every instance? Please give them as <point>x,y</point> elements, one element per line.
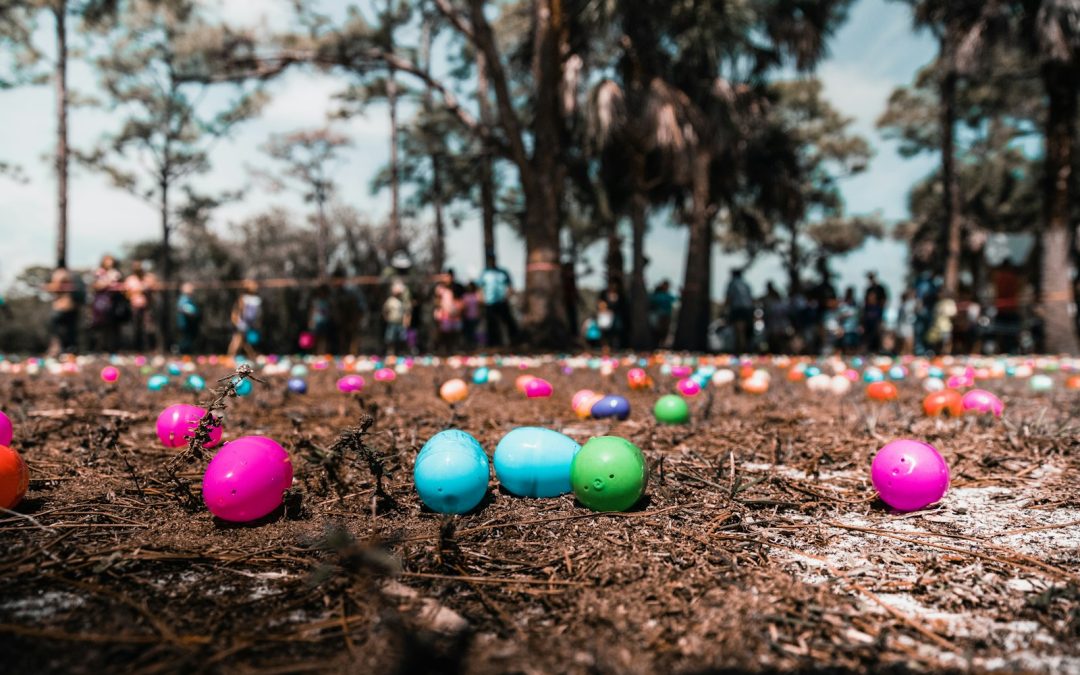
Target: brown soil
<point>759,545</point>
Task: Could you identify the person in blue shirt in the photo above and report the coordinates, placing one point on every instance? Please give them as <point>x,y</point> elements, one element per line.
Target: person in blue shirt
<point>495,290</point>
<point>188,318</point>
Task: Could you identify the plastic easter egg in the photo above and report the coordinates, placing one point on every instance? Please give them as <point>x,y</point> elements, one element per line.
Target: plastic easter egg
<point>538,388</point>
<point>157,382</point>
<point>454,391</point>
<point>1073,382</point>
<point>681,371</point>
<point>819,383</point>
<point>174,369</point>
<point>688,387</point>
<point>385,375</point>
<point>611,406</point>
<point>897,373</point>
<point>671,409</point>
<point>909,475</point>
<point>755,385</point>
<point>609,474</point>
<point>246,479</point>
<point>812,371</point>
<point>722,377</point>
<point>14,478</point>
<point>494,376</point>
<point>982,402</point>
<point>881,391</point>
<point>299,370</point>
<point>946,401</point>
<point>839,385</point>
<point>480,376</point>
<point>243,387</point>
<point>297,385</point>
<point>176,424</point>
<point>350,384</point>
<point>1040,383</point>
<point>110,374</point>
<point>6,430</point>
<point>195,383</point>
<point>521,381</point>
<point>637,378</point>
<point>306,340</point>
<point>873,375</point>
<point>580,397</point>
<point>932,384</point>
<point>535,462</point>
<point>451,472</point>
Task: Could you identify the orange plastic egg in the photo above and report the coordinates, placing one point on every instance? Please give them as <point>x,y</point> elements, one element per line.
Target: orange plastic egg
<point>796,375</point>
<point>1073,382</point>
<point>755,385</point>
<point>946,401</point>
<point>881,391</point>
<point>14,478</point>
<point>521,381</point>
<point>454,391</point>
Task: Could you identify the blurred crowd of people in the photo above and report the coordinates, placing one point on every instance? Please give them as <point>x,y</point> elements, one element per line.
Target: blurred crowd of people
<point>121,309</point>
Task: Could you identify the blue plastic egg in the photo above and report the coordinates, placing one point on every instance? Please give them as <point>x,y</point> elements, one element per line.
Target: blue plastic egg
<point>897,373</point>
<point>811,371</point>
<point>157,382</point>
<point>535,462</point>
<point>480,376</point>
<point>299,370</point>
<point>243,387</point>
<point>873,375</point>
<point>611,406</point>
<point>297,385</point>
<point>174,369</point>
<point>451,472</point>
<point>195,383</point>
<point>934,371</point>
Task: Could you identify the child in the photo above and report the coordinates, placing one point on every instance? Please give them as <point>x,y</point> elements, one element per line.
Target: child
<point>188,318</point>
<point>470,314</point>
<point>245,319</point>
<point>396,316</point>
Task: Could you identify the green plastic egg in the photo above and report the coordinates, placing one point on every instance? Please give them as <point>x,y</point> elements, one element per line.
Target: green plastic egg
<point>609,474</point>
<point>672,409</point>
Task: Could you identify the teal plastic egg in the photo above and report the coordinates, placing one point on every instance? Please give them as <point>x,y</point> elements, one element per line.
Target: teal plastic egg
<point>535,462</point>
<point>451,472</point>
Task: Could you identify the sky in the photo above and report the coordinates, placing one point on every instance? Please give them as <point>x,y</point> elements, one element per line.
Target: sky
<point>873,53</point>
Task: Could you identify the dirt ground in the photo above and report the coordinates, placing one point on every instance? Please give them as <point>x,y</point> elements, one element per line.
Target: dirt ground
<point>759,546</point>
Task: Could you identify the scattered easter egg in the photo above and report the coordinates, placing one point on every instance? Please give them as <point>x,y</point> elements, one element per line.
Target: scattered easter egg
<point>243,386</point>
<point>932,384</point>
<point>350,384</point>
<point>637,378</point>
<point>872,374</point>
<point>1041,383</point>
<point>454,391</point>
<point>755,385</point>
<point>722,377</point>
<point>538,388</point>
<point>157,382</point>
<point>982,402</point>
<point>451,472</point>
<point>110,374</point>
<point>909,475</point>
<point>671,409</point>
<point>688,387</point>
<point>609,474</point>
<point>297,385</point>
<point>819,383</point>
<point>946,401</point>
<point>385,375</point>
<point>494,376</point>
<point>521,381</point>
<point>881,390</point>
<point>480,376</point>
<point>1073,382</point>
<point>14,478</point>
<point>176,425</point>
<point>247,479</point>
<point>306,340</point>
<point>195,383</point>
<point>611,406</point>
<point>839,385</point>
<point>535,462</point>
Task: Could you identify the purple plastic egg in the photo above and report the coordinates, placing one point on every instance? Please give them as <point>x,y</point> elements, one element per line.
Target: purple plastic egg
<point>6,431</point>
<point>909,475</point>
<point>982,402</point>
<point>246,479</point>
<point>176,425</point>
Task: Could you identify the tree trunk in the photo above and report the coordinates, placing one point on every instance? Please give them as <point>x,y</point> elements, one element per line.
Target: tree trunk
<point>950,235</point>
<point>545,311</point>
<point>320,235</point>
<point>695,309</point>
<point>641,336</point>
<point>794,263</point>
<point>1056,294</point>
<point>439,254</point>
<point>165,310</point>
<point>60,15</point>
<point>395,200</point>
<point>487,187</point>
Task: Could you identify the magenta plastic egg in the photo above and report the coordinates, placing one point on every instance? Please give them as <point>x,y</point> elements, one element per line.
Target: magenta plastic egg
<point>6,430</point>
<point>176,424</point>
<point>385,375</point>
<point>350,384</point>
<point>688,387</point>
<point>982,402</point>
<point>110,374</point>
<point>537,388</point>
<point>307,340</point>
<point>681,371</point>
<point>246,479</point>
<point>909,475</point>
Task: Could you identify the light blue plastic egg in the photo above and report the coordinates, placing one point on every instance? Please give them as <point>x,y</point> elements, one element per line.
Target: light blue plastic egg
<point>157,382</point>
<point>480,376</point>
<point>873,375</point>
<point>299,370</point>
<point>243,387</point>
<point>934,371</point>
<point>897,373</point>
<point>535,462</point>
<point>1041,383</point>
<point>811,371</point>
<point>174,369</point>
<point>195,383</point>
<point>451,472</point>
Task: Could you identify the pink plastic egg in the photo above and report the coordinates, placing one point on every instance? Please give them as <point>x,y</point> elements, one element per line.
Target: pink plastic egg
<point>110,374</point>
<point>637,378</point>
<point>580,397</point>
<point>909,475</point>
<point>681,371</point>
<point>307,340</point>
<point>246,479</point>
<point>176,424</point>
<point>385,375</point>
<point>982,402</point>
<point>6,430</point>
<point>688,387</point>
<point>350,384</point>
<point>537,388</point>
